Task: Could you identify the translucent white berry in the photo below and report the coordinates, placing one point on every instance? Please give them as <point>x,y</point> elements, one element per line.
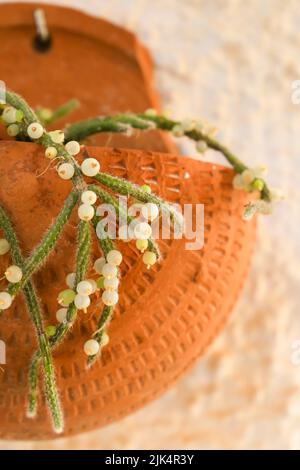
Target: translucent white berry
<point>84,288</point>
<point>13,274</point>
<point>50,152</point>
<point>201,146</point>
<point>142,230</point>
<point>110,297</point>
<point>86,212</point>
<point>114,257</point>
<point>66,171</point>
<point>248,176</point>
<point>57,136</point>
<point>72,147</point>
<point>61,315</point>
<point>94,286</point>
<point>149,258</point>
<point>70,280</point>
<point>82,301</point>
<point>150,211</point>
<point>4,246</point>
<point>141,245</point>
<point>98,265</point>
<point>89,197</point>
<point>109,271</point>
<point>91,347</point>
<point>5,300</point>
<point>188,125</point>
<point>90,167</point>
<point>178,131</point>
<point>104,339</point>
<point>238,182</point>
<point>151,112</point>
<point>111,284</point>
<point>9,115</point>
<point>35,130</point>
<point>13,130</point>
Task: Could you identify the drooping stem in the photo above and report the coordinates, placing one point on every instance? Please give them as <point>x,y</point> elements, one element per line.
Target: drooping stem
<point>106,246</point>
<point>36,316</point>
<point>126,188</point>
<point>123,216</point>
<point>82,261</point>
<point>84,128</point>
<point>46,141</point>
<point>42,251</point>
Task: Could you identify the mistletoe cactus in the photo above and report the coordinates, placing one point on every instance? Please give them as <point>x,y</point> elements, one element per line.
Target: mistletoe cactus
<point>62,147</point>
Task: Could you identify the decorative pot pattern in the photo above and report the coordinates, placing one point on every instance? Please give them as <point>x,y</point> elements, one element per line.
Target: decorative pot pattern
<point>166,317</point>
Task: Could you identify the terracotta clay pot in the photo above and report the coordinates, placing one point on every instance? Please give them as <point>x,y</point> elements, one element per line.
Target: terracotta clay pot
<point>166,317</point>
<point>102,65</point>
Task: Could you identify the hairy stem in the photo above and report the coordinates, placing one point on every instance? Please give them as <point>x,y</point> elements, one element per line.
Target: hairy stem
<point>108,198</point>
<point>42,251</point>
<point>82,260</point>
<point>106,246</point>
<point>87,127</point>
<point>35,313</point>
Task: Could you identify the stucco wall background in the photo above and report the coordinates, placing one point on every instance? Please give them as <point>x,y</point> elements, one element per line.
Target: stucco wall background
<point>231,62</point>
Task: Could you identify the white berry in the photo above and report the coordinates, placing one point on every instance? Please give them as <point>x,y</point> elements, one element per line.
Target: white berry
<point>150,211</point>
<point>98,265</point>
<point>90,167</point>
<point>35,130</point>
<point>50,152</point>
<point>104,339</point>
<point>91,347</point>
<point>66,171</point>
<point>142,231</point>
<point>110,297</point>
<point>13,274</point>
<point>5,300</point>
<point>149,258</point>
<point>94,286</point>
<point>109,271</point>
<point>111,284</point>
<point>114,257</point>
<point>9,115</point>
<point>61,315</point>
<point>84,288</point>
<point>4,246</point>
<point>86,212</point>
<point>72,147</point>
<point>89,197</point>
<point>70,280</point>
<point>13,130</point>
<point>82,301</point>
<point>57,137</point>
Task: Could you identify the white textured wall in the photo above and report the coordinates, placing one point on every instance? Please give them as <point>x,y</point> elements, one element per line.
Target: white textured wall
<point>231,62</point>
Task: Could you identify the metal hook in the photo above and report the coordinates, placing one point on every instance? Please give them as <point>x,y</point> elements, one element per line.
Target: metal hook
<point>42,41</point>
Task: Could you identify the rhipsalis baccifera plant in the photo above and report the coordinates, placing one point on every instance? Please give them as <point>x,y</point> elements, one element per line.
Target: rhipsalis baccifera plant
<point>62,147</point>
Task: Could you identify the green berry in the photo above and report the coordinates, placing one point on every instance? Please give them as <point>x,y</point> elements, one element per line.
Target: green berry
<point>100,282</point>
<point>146,188</point>
<point>50,330</point>
<point>19,115</point>
<point>258,184</point>
<point>66,297</point>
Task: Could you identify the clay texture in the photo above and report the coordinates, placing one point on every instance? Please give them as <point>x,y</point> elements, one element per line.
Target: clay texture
<point>188,296</point>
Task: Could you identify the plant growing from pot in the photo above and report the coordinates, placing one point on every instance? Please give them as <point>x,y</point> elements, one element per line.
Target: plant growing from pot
<point>75,165</point>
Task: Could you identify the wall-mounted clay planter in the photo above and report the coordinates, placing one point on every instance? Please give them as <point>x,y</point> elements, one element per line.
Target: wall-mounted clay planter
<point>166,316</point>
<point>101,64</point>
